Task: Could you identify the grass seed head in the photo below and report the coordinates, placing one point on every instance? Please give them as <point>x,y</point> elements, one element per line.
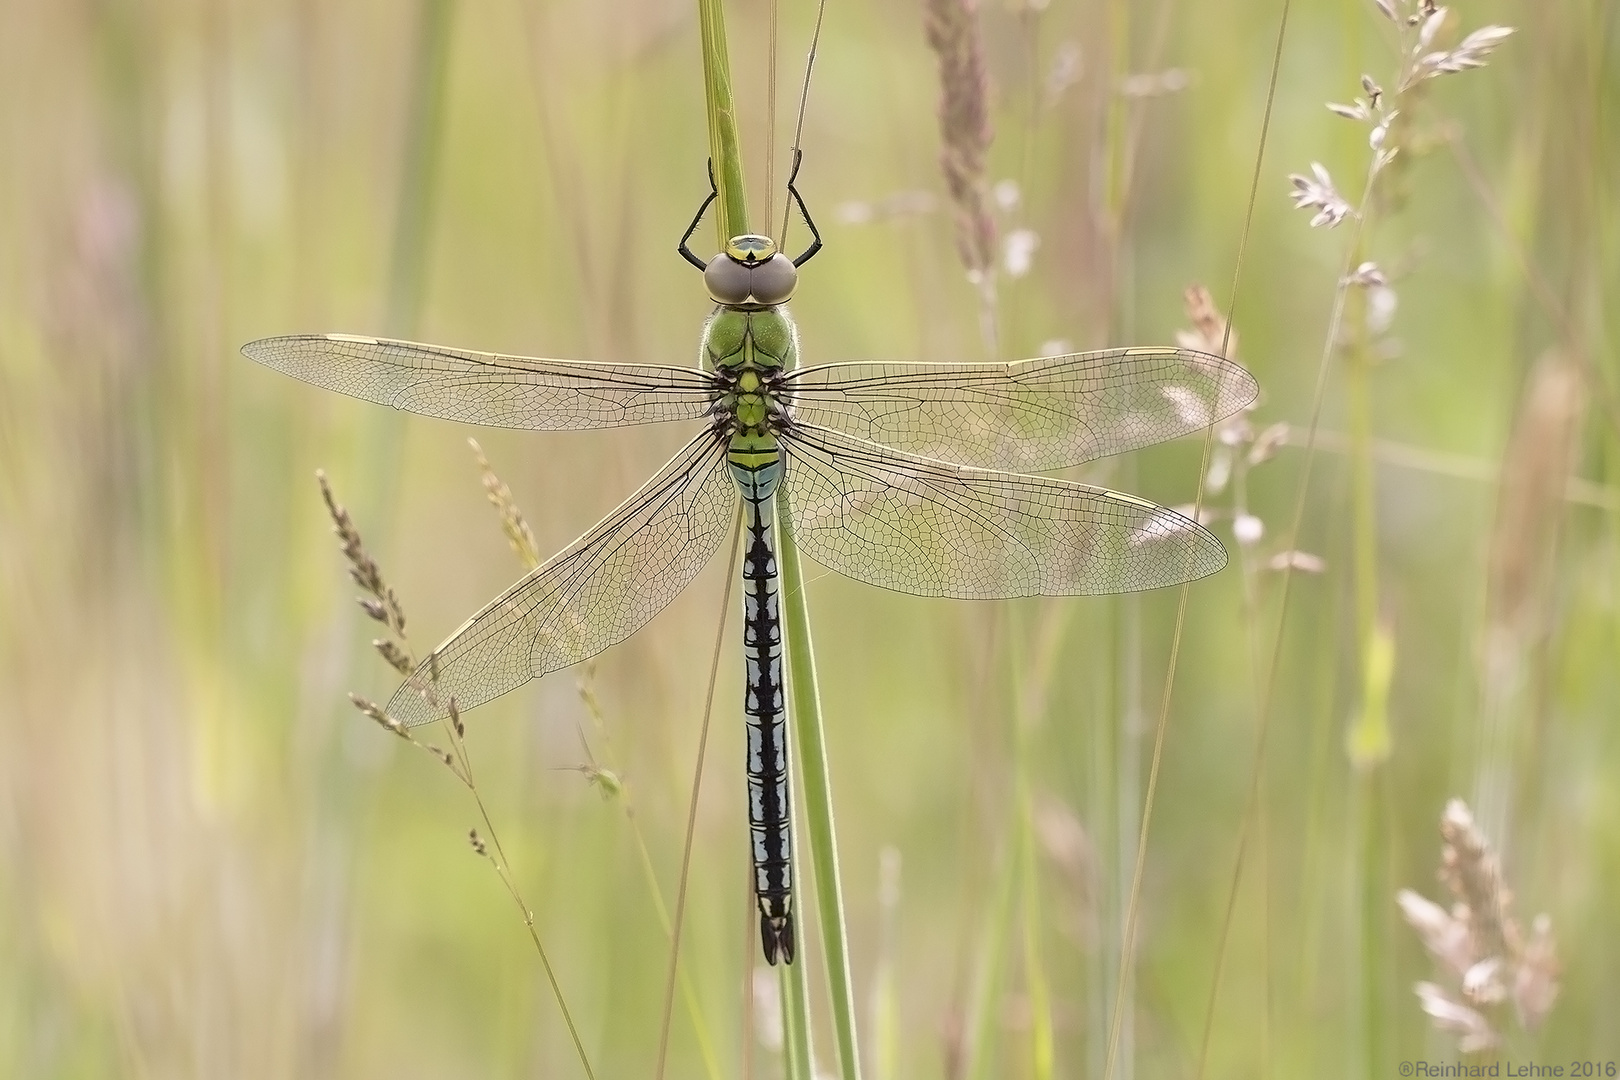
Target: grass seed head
<point>1479,942</point>
<point>375,711</point>
<point>517,530</point>
<point>1316,192</point>
<point>952,28</point>
<point>1536,468</point>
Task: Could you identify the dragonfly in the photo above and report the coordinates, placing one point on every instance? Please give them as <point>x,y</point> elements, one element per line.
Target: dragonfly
<point>907,476</point>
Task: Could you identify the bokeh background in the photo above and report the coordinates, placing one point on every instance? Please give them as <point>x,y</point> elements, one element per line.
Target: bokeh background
<point>212,866</point>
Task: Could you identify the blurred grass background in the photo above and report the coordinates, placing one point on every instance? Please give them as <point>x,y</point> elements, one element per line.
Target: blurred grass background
<point>210,865</point>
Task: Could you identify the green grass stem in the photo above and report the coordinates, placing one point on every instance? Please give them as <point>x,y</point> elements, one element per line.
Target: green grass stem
<point>981,1025</point>
<point>424,132</point>
<point>797,1061</point>
<point>815,784</point>
<point>804,697</point>
<point>725,152</point>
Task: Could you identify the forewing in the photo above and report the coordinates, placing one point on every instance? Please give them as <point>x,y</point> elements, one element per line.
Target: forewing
<point>487,388</point>
<point>928,528</point>
<point>594,594</point>
<point>1027,416</point>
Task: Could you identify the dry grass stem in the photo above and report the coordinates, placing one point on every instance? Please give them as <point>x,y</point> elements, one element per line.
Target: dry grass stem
<point>1488,958</point>
<point>382,603</point>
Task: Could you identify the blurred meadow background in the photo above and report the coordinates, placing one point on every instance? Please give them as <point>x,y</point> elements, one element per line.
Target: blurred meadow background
<point>211,865</point>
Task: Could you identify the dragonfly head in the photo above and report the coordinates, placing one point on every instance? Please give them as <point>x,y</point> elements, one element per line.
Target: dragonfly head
<point>750,274</point>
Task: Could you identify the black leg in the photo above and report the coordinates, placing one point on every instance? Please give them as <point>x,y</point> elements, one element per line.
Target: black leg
<point>809,252</point>
<point>714,193</point>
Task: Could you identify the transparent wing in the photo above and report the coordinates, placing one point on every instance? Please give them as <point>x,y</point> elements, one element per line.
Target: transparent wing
<point>1027,416</point>
<point>931,529</point>
<point>486,388</point>
<point>594,594</point>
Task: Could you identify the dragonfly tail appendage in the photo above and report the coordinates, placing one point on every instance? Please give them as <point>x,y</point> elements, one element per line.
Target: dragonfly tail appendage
<point>776,935</point>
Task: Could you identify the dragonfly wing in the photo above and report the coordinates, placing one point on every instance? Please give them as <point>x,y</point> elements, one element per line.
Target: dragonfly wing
<point>928,528</point>
<point>594,594</point>
<point>1027,416</point>
<point>487,388</point>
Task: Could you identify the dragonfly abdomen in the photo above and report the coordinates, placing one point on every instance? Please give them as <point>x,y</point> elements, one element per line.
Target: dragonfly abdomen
<point>757,476</point>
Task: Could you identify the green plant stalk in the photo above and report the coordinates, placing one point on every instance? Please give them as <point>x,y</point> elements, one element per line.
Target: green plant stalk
<point>1369,744</point>
<point>794,985</point>
<point>418,181</point>
<point>815,783</point>
<point>983,1019</point>
<point>725,153</point>
<point>694,1009</point>
<point>1040,998</point>
<point>804,699</point>
<point>1029,700</point>
<point>382,435</point>
<point>1364,523</point>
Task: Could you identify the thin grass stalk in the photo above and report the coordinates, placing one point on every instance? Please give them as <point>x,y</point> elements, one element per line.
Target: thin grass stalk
<point>522,540</point>
<point>496,854</point>
<point>1129,706</point>
<point>1035,981</point>
<point>382,604</point>
<point>1181,612</point>
<point>1107,740</point>
<point>674,929</point>
<point>611,786</point>
<point>1030,703</point>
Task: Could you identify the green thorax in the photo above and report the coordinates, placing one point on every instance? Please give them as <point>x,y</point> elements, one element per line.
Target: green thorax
<point>751,350</point>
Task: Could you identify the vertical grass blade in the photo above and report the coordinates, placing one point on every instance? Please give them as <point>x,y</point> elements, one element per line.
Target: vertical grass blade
<point>815,783</point>
<point>423,131</point>
<point>797,1060</point>
<point>725,154</point>
<point>804,706</point>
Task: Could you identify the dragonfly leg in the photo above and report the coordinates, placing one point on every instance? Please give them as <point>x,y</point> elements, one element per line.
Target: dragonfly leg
<point>809,252</point>
<point>714,193</point>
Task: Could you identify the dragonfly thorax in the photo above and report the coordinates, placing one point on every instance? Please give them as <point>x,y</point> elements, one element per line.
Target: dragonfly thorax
<point>750,274</point>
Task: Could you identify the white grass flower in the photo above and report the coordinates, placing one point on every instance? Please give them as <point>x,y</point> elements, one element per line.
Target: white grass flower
<point>1471,53</point>
<point>1366,275</point>
<point>1317,192</point>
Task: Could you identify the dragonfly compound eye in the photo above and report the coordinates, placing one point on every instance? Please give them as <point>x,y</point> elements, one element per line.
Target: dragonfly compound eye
<point>736,283</point>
